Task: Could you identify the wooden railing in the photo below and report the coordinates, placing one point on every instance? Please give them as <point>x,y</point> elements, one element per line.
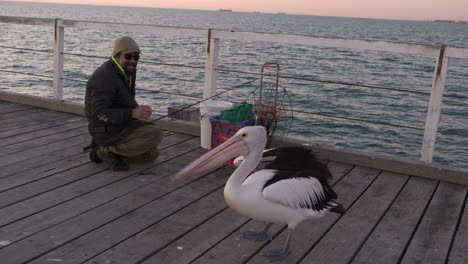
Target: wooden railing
<point>440,53</point>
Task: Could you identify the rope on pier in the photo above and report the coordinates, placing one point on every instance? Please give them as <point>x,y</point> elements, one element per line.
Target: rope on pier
<point>344,83</point>
<point>27,73</point>
<point>35,50</point>
<point>169,93</point>
<point>141,61</point>
<point>359,120</point>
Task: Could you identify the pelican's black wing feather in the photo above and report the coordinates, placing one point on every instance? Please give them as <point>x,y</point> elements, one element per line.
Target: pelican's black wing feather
<point>302,189</point>
<point>297,158</point>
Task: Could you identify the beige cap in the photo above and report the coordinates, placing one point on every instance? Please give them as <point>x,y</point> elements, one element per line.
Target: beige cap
<point>125,44</point>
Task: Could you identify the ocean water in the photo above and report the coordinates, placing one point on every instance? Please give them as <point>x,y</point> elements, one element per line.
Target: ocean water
<point>171,71</point>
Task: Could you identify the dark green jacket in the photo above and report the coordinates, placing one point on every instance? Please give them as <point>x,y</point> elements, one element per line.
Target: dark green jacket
<point>109,101</point>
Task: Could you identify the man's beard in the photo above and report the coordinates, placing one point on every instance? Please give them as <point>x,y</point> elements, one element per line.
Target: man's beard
<point>130,67</point>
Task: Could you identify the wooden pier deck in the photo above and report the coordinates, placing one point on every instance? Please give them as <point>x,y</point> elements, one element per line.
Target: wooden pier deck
<point>57,207</point>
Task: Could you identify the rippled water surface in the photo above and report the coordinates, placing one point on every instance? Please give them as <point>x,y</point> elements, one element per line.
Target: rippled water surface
<point>331,69</point>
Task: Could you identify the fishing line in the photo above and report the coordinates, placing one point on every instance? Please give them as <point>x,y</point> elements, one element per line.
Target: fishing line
<point>198,102</point>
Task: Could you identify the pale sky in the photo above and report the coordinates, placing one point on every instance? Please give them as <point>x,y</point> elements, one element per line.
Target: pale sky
<point>388,9</point>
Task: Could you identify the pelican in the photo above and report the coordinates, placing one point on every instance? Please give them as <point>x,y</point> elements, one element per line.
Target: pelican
<point>292,188</point>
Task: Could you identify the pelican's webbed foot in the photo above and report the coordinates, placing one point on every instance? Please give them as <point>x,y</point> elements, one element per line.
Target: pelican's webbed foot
<point>255,235</point>
<point>279,254</point>
<point>276,255</point>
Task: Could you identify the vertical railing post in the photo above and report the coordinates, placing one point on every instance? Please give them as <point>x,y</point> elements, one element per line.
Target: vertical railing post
<point>58,61</point>
<point>435,106</point>
<point>212,57</point>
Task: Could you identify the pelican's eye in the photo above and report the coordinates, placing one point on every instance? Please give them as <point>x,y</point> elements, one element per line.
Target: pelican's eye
<point>243,135</point>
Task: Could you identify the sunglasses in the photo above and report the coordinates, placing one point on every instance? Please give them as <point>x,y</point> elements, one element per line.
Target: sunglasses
<point>130,56</point>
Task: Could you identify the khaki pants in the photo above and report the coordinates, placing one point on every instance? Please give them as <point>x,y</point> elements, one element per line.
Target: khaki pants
<point>140,145</point>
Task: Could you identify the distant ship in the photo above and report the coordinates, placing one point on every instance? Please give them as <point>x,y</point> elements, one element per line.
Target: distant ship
<point>225,10</point>
<point>450,21</point>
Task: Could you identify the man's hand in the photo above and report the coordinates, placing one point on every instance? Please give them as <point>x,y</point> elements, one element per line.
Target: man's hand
<point>142,112</point>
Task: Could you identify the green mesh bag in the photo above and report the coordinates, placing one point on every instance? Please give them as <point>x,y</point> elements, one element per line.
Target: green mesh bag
<point>238,112</point>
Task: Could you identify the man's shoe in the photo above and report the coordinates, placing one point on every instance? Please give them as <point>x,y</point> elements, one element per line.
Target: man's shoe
<point>93,153</point>
<point>114,161</point>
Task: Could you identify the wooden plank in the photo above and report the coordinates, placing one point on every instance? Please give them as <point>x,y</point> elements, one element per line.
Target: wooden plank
<point>13,109</point>
<point>43,183</point>
<point>69,149</point>
<point>235,249</point>
<point>27,20</point>
<point>47,159</point>
<point>32,189</point>
<point>27,128</point>
<point>81,204</point>
<point>159,208</point>
<point>456,52</point>
<point>17,178</point>
<point>30,149</point>
<point>68,192</point>
<point>339,170</point>
<point>159,198</point>
<point>56,166</point>
<point>391,163</point>
<point>66,125</point>
<point>19,114</point>
<point>211,64</point>
<point>59,34</point>
<point>6,104</point>
<point>150,239</point>
<point>435,107</point>
<point>179,126</point>
<point>388,242</point>
<point>39,117</point>
<point>47,103</point>
<point>459,252</point>
<point>190,128</point>
<point>33,139</point>
<point>204,237</point>
<point>431,241</point>
<point>31,144</point>
<point>360,44</point>
<point>341,243</point>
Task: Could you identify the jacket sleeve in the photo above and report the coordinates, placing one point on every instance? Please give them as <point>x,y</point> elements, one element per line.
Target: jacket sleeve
<point>102,94</point>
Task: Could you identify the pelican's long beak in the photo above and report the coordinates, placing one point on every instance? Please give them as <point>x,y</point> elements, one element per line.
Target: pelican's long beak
<point>213,159</point>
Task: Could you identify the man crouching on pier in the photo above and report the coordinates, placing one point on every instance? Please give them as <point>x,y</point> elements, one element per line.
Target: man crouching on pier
<point>116,122</point>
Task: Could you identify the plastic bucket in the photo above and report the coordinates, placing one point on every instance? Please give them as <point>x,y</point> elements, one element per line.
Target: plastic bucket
<point>208,109</point>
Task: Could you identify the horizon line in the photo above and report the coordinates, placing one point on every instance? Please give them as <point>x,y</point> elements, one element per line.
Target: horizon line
<point>254,11</point>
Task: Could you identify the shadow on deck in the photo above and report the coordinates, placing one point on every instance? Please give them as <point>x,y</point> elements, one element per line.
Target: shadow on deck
<point>57,207</point>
